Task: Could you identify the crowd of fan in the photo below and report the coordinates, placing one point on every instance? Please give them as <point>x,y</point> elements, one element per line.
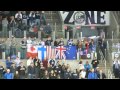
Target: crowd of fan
<point>31,21</point>
<point>49,69</point>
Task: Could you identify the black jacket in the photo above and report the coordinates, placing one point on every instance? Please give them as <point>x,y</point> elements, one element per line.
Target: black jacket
<point>67,75</point>
<point>48,42</point>
<point>21,72</point>
<point>31,70</point>
<point>12,69</point>
<point>94,63</point>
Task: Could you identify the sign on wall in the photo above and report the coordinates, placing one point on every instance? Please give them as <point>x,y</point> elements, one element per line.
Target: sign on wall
<point>86,18</point>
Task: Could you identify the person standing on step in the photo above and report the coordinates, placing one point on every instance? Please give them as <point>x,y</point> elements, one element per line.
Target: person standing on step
<point>116,68</point>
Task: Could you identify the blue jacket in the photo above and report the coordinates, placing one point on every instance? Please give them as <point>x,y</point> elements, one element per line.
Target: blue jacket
<point>8,64</point>
<point>92,76</point>
<point>8,76</point>
<point>87,66</point>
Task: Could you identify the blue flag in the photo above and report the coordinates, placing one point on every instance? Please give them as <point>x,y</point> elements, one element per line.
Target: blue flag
<point>71,53</point>
<point>42,52</point>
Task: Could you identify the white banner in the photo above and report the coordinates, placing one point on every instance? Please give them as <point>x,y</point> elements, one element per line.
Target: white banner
<point>86,18</point>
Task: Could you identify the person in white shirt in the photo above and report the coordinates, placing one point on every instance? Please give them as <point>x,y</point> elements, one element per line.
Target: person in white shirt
<point>29,61</point>
<point>17,61</point>
<point>29,41</point>
<point>18,17</point>
<point>80,66</point>
<point>82,74</point>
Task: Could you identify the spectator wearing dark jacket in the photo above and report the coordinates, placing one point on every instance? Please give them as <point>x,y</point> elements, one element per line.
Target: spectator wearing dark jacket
<point>52,62</point>
<point>55,43</point>
<point>21,70</point>
<point>13,68</point>
<point>48,42</point>
<point>16,75</point>
<point>46,75</point>
<point>101,75</point>
<point>95,63</point>
<point>74,75</point>
<point>116,69</point>
<point>37,70</point>
<point>31,71</point>
<point>36,60</point>
<point>61,42</point>
<point>1,72</point>
<point>67,74</point>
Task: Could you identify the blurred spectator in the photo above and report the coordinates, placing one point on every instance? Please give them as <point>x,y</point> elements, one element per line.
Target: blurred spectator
<point>116,68</point>
<point>16,75</point>
<point>74,75</point>
<point>55,43</point>
<point>29,41</point>
<point>81,66</point>
<point>31,71</point>
<point>13,46</point>
<point>31,18</point>
<point>101,75</point>
<point>29,61</point>
<point>18,17</point>
<point>94,63</point>
<point>87,68</point>
<point>67,74</point>
<point>8,63</point>
<point>5,27</point>
<point>83,74</point>
<point>48,29</point>
<point>13,68</point>
<point>92,75</point>
<point>48,41</point>
<point>52,75</point>
<point>8,75</point>
<point>42,69</point>
<point>21,70</point>
<point>24,18</point>
<point>37,70</point>
<point>1,71</point>
<point>52,62</point>
<point>43,18</point>
<point>36,60</point>
<point>46,75</point>
<point>17,61</point>
<point>70,42</point>
<point>37,18</point>
<point>12,25</point>
<point>23,48</point>
<point>61,42</point>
